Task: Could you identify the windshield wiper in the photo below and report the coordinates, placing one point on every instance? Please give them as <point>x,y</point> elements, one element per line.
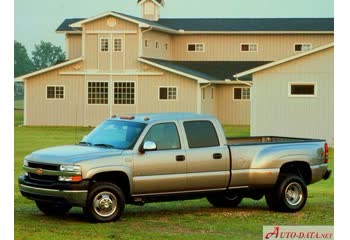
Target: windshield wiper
<point>85,143</point>
<point>103,145</point>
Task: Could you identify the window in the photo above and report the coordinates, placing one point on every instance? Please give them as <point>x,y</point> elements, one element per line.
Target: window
<point>118,45</point>
<point>104,45</point>
<point>146,43</point>
<point>212,93</point>
<point>55,92</point>
<point>302,47</point>
<point>195,47</point>
<point>166,46</point>
<point>124,93</point>
<point>165,136</point>
<point>98,93</point>
<point>302,89</point>
<point>167,93</point>
<point>203,93</point>
<point>249,47</point>
<point>241,93</point>
<point>157,44</point>
<point>201,134</point>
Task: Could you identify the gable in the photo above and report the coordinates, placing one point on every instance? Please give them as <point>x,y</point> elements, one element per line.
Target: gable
<point>110,23</point>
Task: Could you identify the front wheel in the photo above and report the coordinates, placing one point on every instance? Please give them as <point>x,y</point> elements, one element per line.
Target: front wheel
<point>105,202</point>
<point>53,208</point>
<point>290,195</point>
<point>227,199</point>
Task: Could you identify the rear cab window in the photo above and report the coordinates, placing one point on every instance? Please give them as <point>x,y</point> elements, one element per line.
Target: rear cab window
<point>201,134</point>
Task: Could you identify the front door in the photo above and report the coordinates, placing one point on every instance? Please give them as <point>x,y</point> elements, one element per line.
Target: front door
<point>163,170</point>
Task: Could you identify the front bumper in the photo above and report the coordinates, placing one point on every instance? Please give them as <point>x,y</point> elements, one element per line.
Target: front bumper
<point>73,193</point>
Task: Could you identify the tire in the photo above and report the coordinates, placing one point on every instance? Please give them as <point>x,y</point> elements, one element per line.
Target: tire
<point>53,208</point>
<point>105,202</point>
<point>227,199</point>
<point>290,195</point>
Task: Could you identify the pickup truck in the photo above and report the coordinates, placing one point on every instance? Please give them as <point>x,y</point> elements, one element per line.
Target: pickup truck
<point>142,158</point>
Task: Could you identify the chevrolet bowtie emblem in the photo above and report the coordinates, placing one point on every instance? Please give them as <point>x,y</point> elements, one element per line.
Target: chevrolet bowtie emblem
<point>39,171</point>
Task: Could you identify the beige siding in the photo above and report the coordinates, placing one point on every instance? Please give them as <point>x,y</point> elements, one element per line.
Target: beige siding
<point>209,100</point>
<point>229,111</point>
<point>151,51</point>
<point>74,46</point>
<point>101,25</point>
<point>91,51</point>
<point>66,112</point>
<point>227,47</point>
<point>275,113</point>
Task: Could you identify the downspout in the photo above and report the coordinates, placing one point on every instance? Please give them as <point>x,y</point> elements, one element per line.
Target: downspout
<point>240,81</point>
<point>199,96</point>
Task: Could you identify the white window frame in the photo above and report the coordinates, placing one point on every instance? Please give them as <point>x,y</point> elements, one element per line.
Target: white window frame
<point>242,99</point>
<point>203,50</point>
<point>167,87</point>
<point>144,43</point>
<point>122,44</point>
<point>249,45</point>
<point>50,99</point>
<point>87,93</point>
<point>135,94</point>
<point>157,44</point>
<point>109,45</point>
<point>299,95</point>
<point>310,44</point>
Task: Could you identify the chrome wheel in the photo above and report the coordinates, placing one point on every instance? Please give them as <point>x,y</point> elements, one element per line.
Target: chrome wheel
<point>105,204</point>
<point>294,194</point>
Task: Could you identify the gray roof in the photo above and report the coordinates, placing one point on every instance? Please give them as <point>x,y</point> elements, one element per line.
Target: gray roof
<point>229,24</point>
<point>210,70</point>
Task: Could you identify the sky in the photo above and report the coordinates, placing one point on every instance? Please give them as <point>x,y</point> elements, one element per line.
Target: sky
<point>37,20</point>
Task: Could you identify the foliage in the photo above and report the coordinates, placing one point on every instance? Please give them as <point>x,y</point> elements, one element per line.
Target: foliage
<point>46,54</point>
<point>22,63</point>
<point>19,90</point>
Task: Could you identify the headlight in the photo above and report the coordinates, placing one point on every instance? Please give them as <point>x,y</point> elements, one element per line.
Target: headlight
<point>25,163</point>
<point>70,168</point>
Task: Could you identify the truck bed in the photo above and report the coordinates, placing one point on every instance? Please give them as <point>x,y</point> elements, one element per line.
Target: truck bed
<point>267,140</point>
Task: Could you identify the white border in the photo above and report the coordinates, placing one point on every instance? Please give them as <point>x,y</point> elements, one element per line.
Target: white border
<point>87,94</point>
<point>168,100</point>
<point>135,93</point>
<point>242,100</point>
<point>304,84</point>
<point>55,99</point>
<point>195,51</point>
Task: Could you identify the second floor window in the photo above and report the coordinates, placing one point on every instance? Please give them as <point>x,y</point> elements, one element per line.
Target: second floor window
<point>249,47</point>
<point>166,46</point>
<point>104,45</point>
<point>118,45</point>
<point>195,47</point>
<point>146,43</point>
<point>157,44</point>
<point>301,47</point>
<point>241,93</point>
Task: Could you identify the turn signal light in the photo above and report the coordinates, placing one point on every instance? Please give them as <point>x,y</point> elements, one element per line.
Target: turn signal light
<point>326,153</point>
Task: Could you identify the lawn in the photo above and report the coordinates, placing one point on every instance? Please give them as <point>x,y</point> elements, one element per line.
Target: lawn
<point>195,219</point>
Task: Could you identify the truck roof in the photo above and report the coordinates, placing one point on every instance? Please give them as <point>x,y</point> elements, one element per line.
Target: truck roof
<point>169,116</point>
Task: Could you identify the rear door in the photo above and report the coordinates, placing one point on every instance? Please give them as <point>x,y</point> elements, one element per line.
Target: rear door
<point>163,170</point>
<point>207,159</point>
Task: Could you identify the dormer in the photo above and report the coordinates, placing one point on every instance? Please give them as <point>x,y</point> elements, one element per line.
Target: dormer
<point>150,9</point>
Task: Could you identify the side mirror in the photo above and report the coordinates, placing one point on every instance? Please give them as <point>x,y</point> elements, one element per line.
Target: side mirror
<point>148,146</point>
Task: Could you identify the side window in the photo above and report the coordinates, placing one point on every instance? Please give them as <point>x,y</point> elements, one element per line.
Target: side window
<point>201,134</point>
<point>165,135</point>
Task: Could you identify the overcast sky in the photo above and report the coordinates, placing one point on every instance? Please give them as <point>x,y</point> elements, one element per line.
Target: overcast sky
<point>37,20</point>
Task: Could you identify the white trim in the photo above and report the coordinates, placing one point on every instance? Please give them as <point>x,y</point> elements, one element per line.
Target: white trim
<point>231,82</point>
<point>299,95</point>
<point>249,51</point>
<point>25,104</point>
<point>168,100</point>
<point>135,92</point>
<point>87,93</point>
<point>296,56</point>
<point>113,73</point>
<point>69,32</point>
<point>54,99</point>
<point>242,99</point>
<point>100,44</point>
<point>108,32</point>
<point>302,47</point>
<point>195,46</point>
<point>199,98</point>
<point>122,44</point>
<point>49,69</point>
<point>200,80</point>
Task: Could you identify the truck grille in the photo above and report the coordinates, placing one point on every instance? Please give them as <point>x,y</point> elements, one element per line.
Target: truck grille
<point>43,178</point>
<point>44,166</point>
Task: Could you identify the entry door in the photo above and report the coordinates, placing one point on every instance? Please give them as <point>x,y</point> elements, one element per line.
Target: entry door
<point>163,170</point>
<point>208,162</point>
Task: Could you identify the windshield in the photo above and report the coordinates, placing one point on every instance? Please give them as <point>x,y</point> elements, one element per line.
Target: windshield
<point>115,134</point>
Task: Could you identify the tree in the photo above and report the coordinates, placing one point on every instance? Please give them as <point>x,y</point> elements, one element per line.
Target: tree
<point>23,64</point>
<point>46,54</point>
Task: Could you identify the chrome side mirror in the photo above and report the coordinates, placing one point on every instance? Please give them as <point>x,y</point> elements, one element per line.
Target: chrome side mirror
<point>148,146</point>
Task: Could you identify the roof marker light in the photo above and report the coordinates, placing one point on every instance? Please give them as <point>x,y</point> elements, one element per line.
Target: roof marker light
<point>127,117</point>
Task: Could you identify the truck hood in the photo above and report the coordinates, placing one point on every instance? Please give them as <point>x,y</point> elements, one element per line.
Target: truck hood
<point>70,154</point>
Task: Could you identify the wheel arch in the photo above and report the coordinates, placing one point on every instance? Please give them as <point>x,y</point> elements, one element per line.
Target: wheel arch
<point>299,168</point>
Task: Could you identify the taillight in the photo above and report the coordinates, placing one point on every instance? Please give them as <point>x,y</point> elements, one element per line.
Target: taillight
<point>326,153</point>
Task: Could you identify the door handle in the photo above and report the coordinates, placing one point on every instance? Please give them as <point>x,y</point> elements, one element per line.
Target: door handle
<point>180,158</point>
<point>217,155</point>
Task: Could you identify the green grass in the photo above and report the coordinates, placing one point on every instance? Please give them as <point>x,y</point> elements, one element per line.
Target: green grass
<point>195,219</point>
<point>18,117</point>
<point>19,104</point>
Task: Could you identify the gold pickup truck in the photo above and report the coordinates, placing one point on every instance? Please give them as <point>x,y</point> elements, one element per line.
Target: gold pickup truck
<point>143,158</point>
